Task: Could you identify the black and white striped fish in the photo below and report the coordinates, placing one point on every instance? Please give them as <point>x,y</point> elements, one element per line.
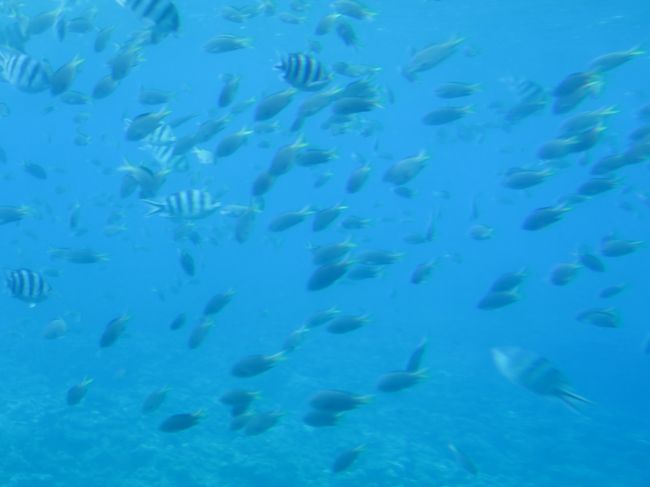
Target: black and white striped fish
<point>190,204</point>
<point>23,71</point>
<point>163,14</point>
<point>28,286</point>
<point>303,71</point>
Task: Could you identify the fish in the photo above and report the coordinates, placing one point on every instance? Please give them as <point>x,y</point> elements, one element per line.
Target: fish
<point>192,204</point>
<point>321,419</point>
<point>12,214</point>
<point>78,256</point>
<point>24,72</point>
<point>612,290</point>
<point>325,217</point>
<point>405,170</point>
<point>456,89</point>
<point>229,89</point>
<point>187,262</point>
<point>163,14</point>
<point>563,274</point>
<point>616,247</point>
<point>337,401</point>
<point>271,105</point>
<point>28,286</point>
<point>178,322</point>
<point>180,422</point>
<point>498,299</point>
<point>304,71</point>
<point>77,392</point>
<point>601,317</point>
<point>289,219</point>
<point>61,80</point>
<point>113,330</point>
<point>544,216</point>
<point>429,57</point>
<point>259,423</point>
<point>463,459</point>
<point>447,114</point>
<point>217,302</point>
<point>226,43</point>
<point>399,380</point>
<point>535,373</point>
<point>55,329</point>
<point>253,365</point>
<point>346,459</point>
<point>347,323</point>
<point>199,333</point>
<point>154,400</point>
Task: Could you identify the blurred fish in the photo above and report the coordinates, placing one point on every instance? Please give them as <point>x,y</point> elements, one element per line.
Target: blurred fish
<point>154,400</point>
<point>269,106</point>
<point>456,90</point>
<point>232,143</point>
<point>11,214</point>
<point>325,217</point>
<point>612,60</point>
<point>229,89</point>
<point>520,178</point>
<point>144,124</point>
<point>445,115</point>
<point>253,365</point>
<point>601,317</point>
<point>322,317</point>
<point>78,256</point>
<point>178,322</point>
<point>331,253</point>
<point>62,78</point>
<point>77,392</point>
<point>346,459</point>
<point>55,329</point>
<point>589,260</point>
<point>28,286</point>
<point>162,13</point>
<point>102,38</point>
<point>543,217</point>
<point>354,9</point>
<point>615,247</point>
<point>24,72</point>
<point>563,274</point>
<point>226,43</point>
<point>239,400</point>
<point>429,57</point>
<point>406,169</point>
<point>498,299</point>
<point>150,96</point>
<point>611,291</point>
<point>422,271</point>
<point>480,232</point>
<point>321,419</point>
<point>289,219</point>
<point>259,423</point>
<point>180,422</point>
<point>337,401</point>
<point>113,330</point>
<point>535,373</point>
<point>399,380</point>
<point>217,302</point>
<point>187,263</point>
<point>199,333</point>
<point>463,459</point>
<point>347,323</point>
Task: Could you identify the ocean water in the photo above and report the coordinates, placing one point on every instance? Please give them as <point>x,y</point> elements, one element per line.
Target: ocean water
<point>513,436</point>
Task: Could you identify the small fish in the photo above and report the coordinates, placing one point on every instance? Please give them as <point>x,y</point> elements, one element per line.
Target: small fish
<point>187,263</point>
<point>144,124</point>
<point>28,286</point>
<point>62,78</point>
<point>185,205</point>
<point>271,105</point>
<point>154,400</point>
<point>259,423</point>
<point>226,43</point>
<point>229,89</point>
<point>404,170</point>
<point>601,317</point>
<point>400,380</point>
<point>24,72</point>
<point>498,299</point>
<point>456,90</point>
<point>180,422</point>
<point>290,219</point>
<point>445,115</point>
<point>615,247</point>
<point>611,291</point>
<point>563,274</point>
<point>11,214</point>
<point>199,333</point>
<point>162,13</point>
<point>113,330</point>
<point>321,419</point>
<point>253,365</point>
<point>178,322</point>
<point>347,323</point>
<point>463,459</point>
<point>346,459</point>
<point>55,329</point>
<point>78,256</point>
<point>35,170</point>
<point>217,302</point>
<point>429,57</point>
<point>77,392</point>
<point>337,401</point>
<point>543,217</point>
<point>304,72</point>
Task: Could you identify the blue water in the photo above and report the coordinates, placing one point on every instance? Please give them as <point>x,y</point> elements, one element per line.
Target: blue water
<point>515,438</point>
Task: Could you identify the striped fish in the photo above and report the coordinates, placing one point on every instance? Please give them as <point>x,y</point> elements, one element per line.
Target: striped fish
<point>162,13</point>
<point>24,72</point>
<point>303,71</point>
<point>190,204</point>
<point>28,286</point>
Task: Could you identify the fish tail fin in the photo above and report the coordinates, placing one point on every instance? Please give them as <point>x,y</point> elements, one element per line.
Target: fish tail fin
<point>156,207</point>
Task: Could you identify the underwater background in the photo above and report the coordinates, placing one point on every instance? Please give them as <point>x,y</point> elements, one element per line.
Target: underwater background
<point>76,191</point>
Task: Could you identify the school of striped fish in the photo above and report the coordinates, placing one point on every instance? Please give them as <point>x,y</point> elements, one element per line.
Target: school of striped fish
<point>258,217</point>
